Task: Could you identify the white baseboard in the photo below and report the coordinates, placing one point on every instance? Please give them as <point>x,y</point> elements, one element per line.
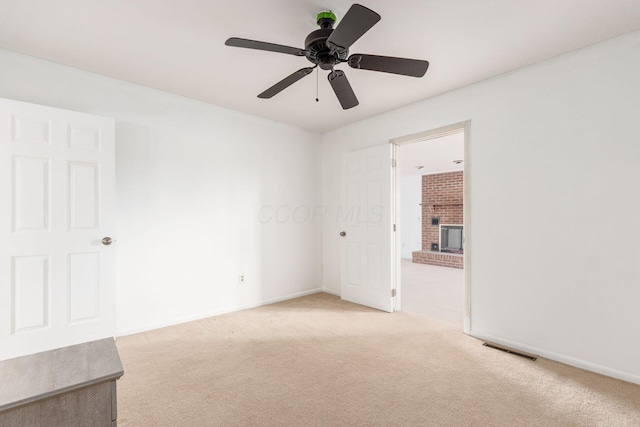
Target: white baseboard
<point>203,315</point>
<point>331,291</point>
<point>567,360</point>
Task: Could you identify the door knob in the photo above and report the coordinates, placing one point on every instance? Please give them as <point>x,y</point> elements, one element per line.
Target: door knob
<point>343,233</point>
<point>107,241</point>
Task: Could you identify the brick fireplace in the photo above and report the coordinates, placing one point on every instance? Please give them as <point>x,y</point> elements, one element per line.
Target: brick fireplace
<point>442,204</point>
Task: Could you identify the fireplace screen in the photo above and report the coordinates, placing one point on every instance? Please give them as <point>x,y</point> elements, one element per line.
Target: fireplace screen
<point>451,239</point>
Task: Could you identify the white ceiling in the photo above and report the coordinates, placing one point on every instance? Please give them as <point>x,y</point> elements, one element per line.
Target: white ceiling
<point>435,156</point>
<point>178,46</point>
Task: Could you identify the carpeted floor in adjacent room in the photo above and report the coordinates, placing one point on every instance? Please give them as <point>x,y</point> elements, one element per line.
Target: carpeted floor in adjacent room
<point>320,361</point>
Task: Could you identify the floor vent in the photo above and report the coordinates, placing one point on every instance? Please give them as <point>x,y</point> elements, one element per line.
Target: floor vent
<point>506,350</point>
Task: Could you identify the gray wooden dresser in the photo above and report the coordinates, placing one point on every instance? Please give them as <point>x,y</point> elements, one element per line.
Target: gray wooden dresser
<point>71,386</point>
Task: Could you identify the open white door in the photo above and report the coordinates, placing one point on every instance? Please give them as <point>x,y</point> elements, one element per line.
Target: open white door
<point>366,213</point>
<point>57,187</point>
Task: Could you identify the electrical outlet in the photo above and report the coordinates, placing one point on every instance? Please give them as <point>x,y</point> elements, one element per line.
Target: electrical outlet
<point>241,278</point>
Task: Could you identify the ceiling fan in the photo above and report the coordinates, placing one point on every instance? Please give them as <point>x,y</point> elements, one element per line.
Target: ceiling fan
<point>328,47</point>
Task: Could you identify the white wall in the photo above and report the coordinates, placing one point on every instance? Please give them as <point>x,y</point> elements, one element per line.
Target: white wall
<point>554,165</point>
<point>192,182</point>
<point>411,211</point>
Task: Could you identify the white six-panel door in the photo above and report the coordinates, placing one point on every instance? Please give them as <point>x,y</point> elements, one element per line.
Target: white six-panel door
<point>57,193</point>
<point>366,213</point>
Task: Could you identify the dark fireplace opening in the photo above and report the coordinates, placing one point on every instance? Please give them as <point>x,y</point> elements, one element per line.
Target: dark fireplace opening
<point>451,239</point>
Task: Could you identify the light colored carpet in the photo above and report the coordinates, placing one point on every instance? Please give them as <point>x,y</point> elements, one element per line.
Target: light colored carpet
<point>320,361</point>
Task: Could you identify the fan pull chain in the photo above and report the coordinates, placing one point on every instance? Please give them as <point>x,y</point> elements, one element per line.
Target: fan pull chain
<point>317,78</point>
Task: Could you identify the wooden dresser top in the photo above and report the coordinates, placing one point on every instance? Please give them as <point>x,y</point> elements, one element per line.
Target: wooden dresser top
<point>38,376</point>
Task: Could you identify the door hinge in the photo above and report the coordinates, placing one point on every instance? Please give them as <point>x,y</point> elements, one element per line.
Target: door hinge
<point>393,163</point>
<point>394,227</point>
<point>393,293</point>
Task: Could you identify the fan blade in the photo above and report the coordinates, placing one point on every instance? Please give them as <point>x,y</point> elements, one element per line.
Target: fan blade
<point>389,64</point>
<point>271,47</point>
<point>342,88</point>
<point>357,21</point>
<point>285,83</point>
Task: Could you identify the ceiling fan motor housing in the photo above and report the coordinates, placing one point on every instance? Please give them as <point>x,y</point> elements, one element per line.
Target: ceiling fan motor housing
<point>319,53</point>
<point>316,47</point>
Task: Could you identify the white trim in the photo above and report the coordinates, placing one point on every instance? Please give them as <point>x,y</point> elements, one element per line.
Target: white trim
<point>577,363</point>
<point>331,291</point>
<point>432,134</point>
<point>203,315</point>
<point>426,136</point>
<point>396,232</point>
<point>466,197</point>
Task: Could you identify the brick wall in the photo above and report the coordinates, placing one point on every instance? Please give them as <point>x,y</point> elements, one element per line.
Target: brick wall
<point>442,196</point>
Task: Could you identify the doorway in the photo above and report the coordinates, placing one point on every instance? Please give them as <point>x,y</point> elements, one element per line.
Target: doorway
<point>432,210</point>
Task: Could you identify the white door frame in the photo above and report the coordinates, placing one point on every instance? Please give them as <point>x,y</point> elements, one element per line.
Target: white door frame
<point>426,136</point>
